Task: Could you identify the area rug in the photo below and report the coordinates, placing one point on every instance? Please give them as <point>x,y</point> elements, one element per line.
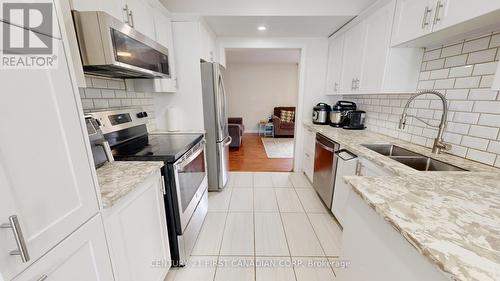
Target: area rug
<point>278,147</point>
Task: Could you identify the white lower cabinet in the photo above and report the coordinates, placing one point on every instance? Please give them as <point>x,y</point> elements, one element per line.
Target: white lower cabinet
<point>83,256</point>
<point>377,252</point>
<point>309,151</point>
<point>137,233</point>
<point>347,165</point>
<point>367,168</point>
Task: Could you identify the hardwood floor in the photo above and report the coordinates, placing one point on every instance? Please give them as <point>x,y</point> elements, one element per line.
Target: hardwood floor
<point>252,157</point>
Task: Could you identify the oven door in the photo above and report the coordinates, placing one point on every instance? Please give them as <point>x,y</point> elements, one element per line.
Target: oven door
<point>190,174</point>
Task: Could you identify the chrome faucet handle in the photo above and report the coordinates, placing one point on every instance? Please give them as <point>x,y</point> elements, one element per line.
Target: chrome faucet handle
<point>439,145</point>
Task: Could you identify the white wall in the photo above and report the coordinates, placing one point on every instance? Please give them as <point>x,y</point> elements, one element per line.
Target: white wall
<point>254,89</point>
<point>190,44</point>
<point>312,75</point>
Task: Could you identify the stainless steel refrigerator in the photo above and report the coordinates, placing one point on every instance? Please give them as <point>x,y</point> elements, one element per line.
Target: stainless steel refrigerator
<point>217,135</point>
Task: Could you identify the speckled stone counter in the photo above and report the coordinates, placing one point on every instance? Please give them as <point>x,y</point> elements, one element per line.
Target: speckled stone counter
<point>118,178</point>
<point>452,218</point>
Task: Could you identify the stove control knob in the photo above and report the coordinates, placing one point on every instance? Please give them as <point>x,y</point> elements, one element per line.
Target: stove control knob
<point>145,114</point>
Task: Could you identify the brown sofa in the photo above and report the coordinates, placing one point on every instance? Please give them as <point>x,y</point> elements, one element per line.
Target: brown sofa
<point>283,129</point>
<point>236,130</point>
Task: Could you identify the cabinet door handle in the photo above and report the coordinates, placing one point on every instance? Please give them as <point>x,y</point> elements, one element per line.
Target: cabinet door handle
<point>439,6</point>
<point>131,20</point>
<point>336,87</point>
<point>359,166</point>
<point>426,14</point>
<point>357,84</point>
<point>127,14</point>
<point>43,278</point>
<point>353,83</point>
<point>18,235</point>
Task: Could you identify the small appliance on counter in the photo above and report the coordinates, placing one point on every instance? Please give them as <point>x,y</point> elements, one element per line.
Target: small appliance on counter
<point>101,152</point>
<point>338,114</point>
<point>320,114</point>
<point>356,120</point>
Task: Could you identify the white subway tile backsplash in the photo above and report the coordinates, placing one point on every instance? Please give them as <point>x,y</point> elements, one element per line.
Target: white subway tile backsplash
<point>452,50</point>
<point>489,120</point>
<point>481,156</point>
<point>474,142</point>
<point>485,68</point>
<point>92,93</point>
<point>439,74</point>
<point>87,104</point>
<point>487,81</point>
<point>482,94</point>
<point>467,82</point>
<point>99,83</point>
<point>494,147</point>
<point>435,64</point>
<point>466,117</point>
<point>120,94</point>
<point>487,107</point>
<point>484,132</point>
<point>101,103</point>
<point>476,45</point>
<point>432,55</point>
<point>461,105</point>
<point>464,73</point>
<point>107,93</point>
<point>482,56</point>
<point>456,61</point>
<point>495,41</point>
<point>461,71</point>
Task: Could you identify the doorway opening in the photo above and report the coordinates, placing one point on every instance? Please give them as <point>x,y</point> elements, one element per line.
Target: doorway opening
<point>262,86</point>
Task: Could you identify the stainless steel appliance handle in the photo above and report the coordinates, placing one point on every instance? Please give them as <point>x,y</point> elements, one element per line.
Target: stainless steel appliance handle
<point>229,141</point>
<point>325,147</point>
<point>184,161</point>
<point>43,278</point>
<point>127,14</point>
<point>338,153</point>
<point>18,235</point>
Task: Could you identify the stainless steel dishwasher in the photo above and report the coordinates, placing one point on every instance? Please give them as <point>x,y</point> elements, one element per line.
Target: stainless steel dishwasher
<point>325,166</point>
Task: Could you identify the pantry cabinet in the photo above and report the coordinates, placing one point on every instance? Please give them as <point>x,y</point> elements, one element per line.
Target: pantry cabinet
<point>369,64</point>
<point>137,233</point>
<point>83,256</point>
<point>46,167</point>
<point>436,22</point>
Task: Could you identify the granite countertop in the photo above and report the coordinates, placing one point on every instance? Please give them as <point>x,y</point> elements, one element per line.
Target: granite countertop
<point>452,218</point>
<point>117,179</point>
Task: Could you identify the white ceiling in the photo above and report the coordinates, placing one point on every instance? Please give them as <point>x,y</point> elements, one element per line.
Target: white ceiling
<point>262,56</point>
<point>268,7</point>
<point>277,26</point>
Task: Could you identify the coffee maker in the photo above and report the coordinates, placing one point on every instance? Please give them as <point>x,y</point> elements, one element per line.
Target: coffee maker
<point>355,120</point>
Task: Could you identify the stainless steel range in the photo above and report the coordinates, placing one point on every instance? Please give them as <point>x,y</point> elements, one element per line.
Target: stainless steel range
<point>184,173</point>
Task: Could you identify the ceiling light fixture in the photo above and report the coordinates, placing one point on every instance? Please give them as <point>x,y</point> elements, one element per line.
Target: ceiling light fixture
<point>261,28</point>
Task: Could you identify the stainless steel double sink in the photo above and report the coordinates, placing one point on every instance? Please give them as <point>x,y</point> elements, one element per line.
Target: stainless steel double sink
<point>412,159</point>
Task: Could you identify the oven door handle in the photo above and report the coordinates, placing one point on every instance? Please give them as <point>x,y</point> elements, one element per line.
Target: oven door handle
<point>181,163</point>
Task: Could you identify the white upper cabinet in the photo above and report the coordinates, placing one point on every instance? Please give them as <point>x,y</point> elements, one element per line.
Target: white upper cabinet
<point>46,177</point>
<point>163,35</point>
<point>369,64</point>
<point>422,23</point>
<point>112,7</point>
<point>140,16</point>
<point>352,58</point>
<point>334,72</point>
<point>413,18</point>
<point>452,12</point>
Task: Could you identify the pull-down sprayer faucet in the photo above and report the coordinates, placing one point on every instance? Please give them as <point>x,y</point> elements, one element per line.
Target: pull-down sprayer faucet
<point>439,144</point>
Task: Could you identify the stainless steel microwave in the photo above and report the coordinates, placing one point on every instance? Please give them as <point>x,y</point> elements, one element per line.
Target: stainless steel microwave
<point>111,48</point>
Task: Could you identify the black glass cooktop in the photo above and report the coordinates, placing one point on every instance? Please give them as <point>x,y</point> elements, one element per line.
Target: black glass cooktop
<point>164,147</point>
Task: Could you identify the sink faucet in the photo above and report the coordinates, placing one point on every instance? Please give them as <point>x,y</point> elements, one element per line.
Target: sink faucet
<point>439,144</point>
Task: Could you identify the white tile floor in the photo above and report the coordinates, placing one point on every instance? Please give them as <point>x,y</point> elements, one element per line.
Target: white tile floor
<point>264,227</point>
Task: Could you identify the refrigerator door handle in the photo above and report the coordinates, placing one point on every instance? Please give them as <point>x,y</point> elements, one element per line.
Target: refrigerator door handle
<point>229,140</point>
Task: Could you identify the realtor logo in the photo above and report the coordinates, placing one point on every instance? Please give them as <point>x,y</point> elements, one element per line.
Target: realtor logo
<point>26,36</point>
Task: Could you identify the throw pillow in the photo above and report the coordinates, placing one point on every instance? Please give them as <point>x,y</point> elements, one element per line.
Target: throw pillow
<point>287,116</point>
